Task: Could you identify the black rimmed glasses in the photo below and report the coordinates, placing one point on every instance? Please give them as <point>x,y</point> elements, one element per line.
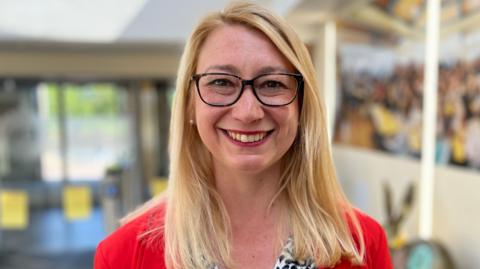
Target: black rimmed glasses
<point>222,89</point>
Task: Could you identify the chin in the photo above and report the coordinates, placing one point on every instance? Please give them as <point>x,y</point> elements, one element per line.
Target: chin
<point>253,165</point>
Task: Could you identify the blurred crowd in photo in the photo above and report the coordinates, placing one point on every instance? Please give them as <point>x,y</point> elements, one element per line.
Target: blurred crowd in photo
<point>384,111</point>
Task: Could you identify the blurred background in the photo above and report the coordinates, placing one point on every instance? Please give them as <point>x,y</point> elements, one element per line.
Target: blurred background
<point>85,95</point>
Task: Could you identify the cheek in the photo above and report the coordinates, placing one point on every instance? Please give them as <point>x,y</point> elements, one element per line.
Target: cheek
<point>287,124</point>
<point>196,110</point>
<point>291,120</point>
<point>201,120</point>
<point>293,127</point>
<point>206,119</point>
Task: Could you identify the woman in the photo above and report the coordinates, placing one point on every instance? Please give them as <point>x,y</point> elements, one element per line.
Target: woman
<point>252,182</point>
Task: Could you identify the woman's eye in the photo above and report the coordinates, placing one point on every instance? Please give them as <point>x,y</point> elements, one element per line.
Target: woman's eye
<point>221,82</point>
<point>273,84</point>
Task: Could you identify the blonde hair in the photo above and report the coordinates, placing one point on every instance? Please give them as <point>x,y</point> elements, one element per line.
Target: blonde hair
<point>197,228</point>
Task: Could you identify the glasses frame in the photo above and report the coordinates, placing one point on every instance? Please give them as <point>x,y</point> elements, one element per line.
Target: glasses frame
<point>250,82</point>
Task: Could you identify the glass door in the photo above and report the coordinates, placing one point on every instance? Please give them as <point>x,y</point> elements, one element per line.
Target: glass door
<point>57,140</point>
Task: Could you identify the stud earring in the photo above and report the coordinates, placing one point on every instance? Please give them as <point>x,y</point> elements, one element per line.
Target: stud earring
<point>192,122</point>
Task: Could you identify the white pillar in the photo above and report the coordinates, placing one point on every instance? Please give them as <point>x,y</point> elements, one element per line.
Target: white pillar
<point>325,55</point>
<point>429,120</point>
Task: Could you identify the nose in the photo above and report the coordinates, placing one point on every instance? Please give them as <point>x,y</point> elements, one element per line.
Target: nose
<point>248,109</point>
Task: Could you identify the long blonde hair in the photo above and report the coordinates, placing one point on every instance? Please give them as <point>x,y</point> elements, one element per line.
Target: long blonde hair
<point>197,228</point>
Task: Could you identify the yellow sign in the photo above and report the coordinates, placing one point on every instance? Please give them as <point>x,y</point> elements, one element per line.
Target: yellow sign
<point>77,202</point>
<point>158,185</point>
<point>13,209</point>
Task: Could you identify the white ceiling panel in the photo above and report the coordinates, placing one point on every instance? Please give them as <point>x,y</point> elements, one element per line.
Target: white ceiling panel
<point>104,21</point>
<point>69,20</point>
<point>168,21</point>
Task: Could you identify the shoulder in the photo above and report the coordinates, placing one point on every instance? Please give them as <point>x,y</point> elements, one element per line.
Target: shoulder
<point>131,245</point>
<point>372,230</point>
<point>377,253</point>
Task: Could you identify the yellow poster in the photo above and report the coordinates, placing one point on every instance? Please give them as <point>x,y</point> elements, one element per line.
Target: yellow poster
<point>13,209</point>
<point>77,202</point>
<point>158,185</point>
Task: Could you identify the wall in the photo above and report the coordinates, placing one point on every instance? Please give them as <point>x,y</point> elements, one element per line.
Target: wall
<point>79,61</point>
<point>456,196</point>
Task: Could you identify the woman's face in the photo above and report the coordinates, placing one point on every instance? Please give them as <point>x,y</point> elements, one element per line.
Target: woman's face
<point>246,136</point>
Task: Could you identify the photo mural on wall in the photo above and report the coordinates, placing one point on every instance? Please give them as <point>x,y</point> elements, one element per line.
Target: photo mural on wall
<point>380,94</point>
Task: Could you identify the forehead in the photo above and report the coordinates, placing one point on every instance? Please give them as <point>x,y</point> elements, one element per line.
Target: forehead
<point>241,47</point>
<point>238,33</point>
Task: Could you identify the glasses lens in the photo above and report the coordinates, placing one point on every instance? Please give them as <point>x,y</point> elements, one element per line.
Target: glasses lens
<point>219,89</point>
<point>276,89</point>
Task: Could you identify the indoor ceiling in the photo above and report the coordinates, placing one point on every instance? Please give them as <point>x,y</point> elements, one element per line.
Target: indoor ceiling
<point>108,21</point>
<point>101,21</point>
<point>169,22</point>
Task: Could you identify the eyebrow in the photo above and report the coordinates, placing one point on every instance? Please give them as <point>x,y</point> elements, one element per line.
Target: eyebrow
<point>226,68</point>
<point>233,70</point>
<point>273,69</point>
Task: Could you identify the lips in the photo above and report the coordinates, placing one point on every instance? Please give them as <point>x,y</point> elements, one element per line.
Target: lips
<point>247,137</point>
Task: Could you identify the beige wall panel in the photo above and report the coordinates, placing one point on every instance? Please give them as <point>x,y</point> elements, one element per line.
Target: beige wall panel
<point>456,200</point>
<point>89,64</point>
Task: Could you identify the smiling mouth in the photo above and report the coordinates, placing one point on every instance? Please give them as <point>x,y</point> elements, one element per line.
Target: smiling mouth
<point>248,138</point>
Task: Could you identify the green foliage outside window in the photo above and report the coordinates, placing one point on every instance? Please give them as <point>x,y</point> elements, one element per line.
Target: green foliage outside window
<point>84,100</point>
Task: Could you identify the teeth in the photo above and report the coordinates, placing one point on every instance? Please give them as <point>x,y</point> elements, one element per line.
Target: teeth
<point>247,138</point>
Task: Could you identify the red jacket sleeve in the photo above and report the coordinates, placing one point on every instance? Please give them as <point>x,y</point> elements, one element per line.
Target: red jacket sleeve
<point>377,251</point>
<point>127,249</point>
<point>100,261</point>
<point>118,250</point>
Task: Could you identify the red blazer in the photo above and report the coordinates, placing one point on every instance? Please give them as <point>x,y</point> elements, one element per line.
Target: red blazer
<point>123,249</point>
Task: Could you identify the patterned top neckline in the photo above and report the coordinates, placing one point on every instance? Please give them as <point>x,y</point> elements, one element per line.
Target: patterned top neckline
<point>287,261</point>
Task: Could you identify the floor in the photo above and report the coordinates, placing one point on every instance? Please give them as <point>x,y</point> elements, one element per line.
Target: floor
<point>52,242</point>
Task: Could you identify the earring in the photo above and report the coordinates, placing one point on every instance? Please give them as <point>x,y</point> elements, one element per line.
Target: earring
<point>192,122</point>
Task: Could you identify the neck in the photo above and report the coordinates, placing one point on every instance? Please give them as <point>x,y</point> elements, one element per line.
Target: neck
<point>257,229</point>
<point>248,196</point>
